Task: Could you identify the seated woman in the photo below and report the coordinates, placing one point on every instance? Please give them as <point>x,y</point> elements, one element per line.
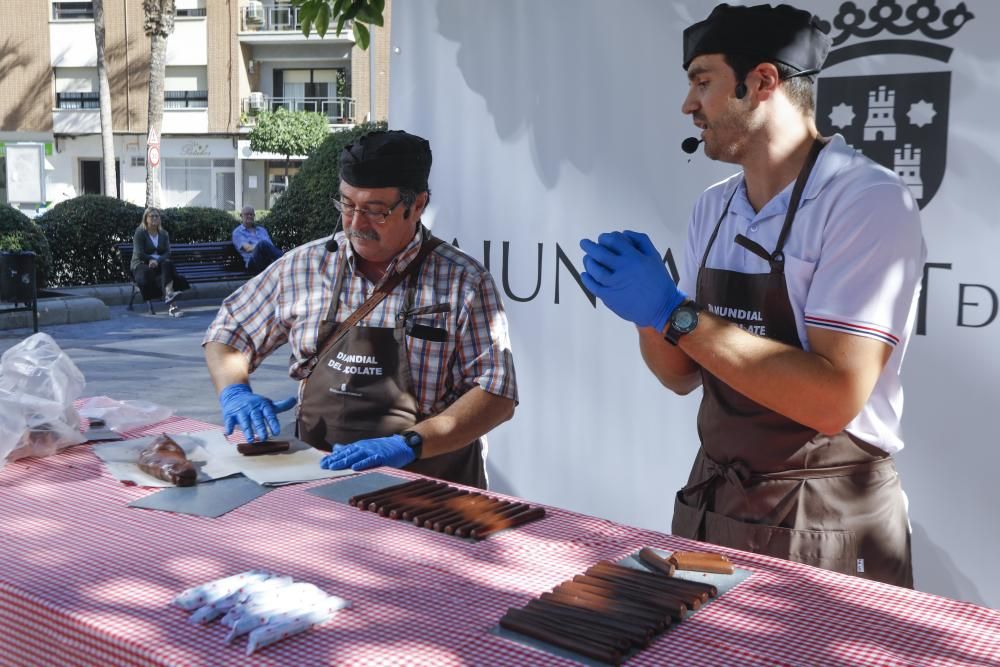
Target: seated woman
<point>152,269</point>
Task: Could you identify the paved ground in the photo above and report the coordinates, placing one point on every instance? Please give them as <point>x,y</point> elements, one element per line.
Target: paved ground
<point>156,358</point>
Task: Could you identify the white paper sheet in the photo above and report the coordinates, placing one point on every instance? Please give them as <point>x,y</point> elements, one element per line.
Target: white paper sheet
<point>215,457</point>
<point>120,458</point>
<point>299,464</point>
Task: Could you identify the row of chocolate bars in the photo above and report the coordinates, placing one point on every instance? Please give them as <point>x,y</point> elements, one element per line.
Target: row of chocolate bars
<point>436,505</point>
<point>612,610</point>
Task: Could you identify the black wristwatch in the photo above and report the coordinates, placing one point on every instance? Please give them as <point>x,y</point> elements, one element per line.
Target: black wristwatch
<point>682,321</point>
<point>414,441</point>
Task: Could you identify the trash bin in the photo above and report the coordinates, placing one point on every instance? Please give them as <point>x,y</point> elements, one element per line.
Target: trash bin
<point>17,277</point>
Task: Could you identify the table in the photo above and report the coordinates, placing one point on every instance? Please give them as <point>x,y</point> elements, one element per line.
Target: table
<point>88,581</point>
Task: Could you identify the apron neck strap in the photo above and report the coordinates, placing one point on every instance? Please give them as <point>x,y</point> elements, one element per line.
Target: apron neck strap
<point>381,293</point>
<point>776,258</point>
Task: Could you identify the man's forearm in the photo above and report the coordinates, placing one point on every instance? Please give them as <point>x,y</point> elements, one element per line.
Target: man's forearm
<point>824,388</point>
<point>226,365</point>
<point>669,364</point>
<point>471,416</point>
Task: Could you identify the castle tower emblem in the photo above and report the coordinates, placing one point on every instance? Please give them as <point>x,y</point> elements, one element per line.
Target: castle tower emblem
<point>897,118</point>
<point>881,123</point>
<point>906,164</point>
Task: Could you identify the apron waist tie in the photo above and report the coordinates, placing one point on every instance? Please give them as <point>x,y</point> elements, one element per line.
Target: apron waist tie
<point>736,473</point>
<point>819,473</point>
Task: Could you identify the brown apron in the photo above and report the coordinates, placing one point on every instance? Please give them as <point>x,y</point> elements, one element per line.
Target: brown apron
<point>766,484</point>
<point>361,386</point>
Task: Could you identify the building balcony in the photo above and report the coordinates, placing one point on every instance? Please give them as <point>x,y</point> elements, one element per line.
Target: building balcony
<point>271,22</point>
<point>338,110</point>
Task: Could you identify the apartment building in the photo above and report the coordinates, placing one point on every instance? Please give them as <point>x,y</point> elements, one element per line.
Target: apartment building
<point>227,60</point>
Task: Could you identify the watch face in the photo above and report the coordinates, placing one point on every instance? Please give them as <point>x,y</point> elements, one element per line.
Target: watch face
<point>685,319</point>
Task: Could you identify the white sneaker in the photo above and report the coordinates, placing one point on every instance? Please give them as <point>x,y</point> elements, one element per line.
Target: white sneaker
<point>174,311</point>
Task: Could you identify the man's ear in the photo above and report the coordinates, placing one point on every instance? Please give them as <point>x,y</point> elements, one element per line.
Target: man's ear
<point>419,204</point>
<point>763,80</point>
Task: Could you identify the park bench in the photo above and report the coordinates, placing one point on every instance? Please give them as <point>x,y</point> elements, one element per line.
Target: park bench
<point>198,262</point>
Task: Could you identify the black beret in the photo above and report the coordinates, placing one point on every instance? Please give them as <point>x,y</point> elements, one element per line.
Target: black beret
<point>780,34</point>
<point>387,159</point>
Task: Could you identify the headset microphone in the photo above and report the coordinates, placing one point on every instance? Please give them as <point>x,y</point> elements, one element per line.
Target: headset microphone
<point>332,245</point>
<point>690,145</point>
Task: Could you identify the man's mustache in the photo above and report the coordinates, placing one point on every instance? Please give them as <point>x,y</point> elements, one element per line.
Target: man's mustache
<point>363,234</point>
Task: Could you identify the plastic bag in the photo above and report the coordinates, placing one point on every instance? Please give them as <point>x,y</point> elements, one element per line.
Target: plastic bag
<point>38,384</point>
<point>124,415</point>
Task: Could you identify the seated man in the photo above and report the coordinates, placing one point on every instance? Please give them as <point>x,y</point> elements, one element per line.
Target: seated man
<point>254,243</point>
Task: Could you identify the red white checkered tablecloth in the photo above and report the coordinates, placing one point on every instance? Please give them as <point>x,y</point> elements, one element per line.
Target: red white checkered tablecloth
<point>88,581</point>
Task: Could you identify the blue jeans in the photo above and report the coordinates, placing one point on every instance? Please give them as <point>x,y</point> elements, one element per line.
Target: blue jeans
<point>264,253</point>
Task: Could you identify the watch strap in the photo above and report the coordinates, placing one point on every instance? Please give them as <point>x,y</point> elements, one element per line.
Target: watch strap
<point>414,441</point>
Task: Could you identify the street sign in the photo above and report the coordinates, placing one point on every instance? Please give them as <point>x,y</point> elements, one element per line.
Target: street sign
<point>153,155</point>
<point>153,139</point>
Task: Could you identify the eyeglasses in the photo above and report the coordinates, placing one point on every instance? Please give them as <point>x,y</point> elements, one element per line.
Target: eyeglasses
<point>348,210</point>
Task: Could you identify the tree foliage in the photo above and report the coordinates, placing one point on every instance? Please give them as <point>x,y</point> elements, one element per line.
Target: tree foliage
<point>83,232</point>
<point>304,212</point>
<point>19,232</point>
<point>288,132</point>
<point>319,14</point>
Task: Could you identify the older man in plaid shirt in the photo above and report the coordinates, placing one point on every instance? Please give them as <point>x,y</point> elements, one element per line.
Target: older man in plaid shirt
<point>399,340</point>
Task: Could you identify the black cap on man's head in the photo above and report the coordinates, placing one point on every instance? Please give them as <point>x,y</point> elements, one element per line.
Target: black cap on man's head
<point>781,34</point>
<point>387,159</point>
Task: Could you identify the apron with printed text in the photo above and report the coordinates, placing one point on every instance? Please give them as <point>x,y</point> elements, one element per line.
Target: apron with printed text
<point>361,387</point>
<point>766,484</point>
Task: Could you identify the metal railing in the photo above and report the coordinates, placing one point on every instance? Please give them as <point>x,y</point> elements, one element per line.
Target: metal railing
<point>78,101</point>
<point>62,11</point>
<point>278,18</point>
<point>185,99</point>
<point>338,110</point>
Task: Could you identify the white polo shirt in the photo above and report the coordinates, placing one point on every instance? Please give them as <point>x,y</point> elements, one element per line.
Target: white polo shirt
<point>853,262</point>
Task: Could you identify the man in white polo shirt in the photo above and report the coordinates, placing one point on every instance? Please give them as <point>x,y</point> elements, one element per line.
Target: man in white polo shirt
<point>805,270</point>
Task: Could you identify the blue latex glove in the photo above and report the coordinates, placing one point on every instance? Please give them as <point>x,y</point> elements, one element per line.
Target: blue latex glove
<point>389,451</point>
<point>626,272</point>
<point>254,414</point>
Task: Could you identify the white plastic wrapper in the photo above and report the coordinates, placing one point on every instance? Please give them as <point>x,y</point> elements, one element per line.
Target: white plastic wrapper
<point>124,415</point>
<point>275,632</point>
<point>267,607</point>
<point>38,384</point>
<point>279,596</point>
<point>255,618</point>
<point>214,610</point>
<point>198,596</point>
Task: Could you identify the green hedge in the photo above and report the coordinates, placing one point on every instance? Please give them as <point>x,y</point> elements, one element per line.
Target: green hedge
<point>83,233</point>
<point>194,224</point>
<point>19,232</point>
<point>304,213</point>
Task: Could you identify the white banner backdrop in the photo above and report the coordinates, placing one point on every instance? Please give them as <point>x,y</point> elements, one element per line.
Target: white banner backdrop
<point>555,120</point>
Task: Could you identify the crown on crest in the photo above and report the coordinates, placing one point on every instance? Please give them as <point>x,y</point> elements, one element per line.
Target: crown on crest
<point>889,16</point>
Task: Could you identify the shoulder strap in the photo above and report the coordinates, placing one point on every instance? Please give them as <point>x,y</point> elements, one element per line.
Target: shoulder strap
<point>381,293</point>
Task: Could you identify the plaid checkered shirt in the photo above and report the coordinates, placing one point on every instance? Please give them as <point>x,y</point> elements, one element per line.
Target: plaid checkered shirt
<point>289,300</point>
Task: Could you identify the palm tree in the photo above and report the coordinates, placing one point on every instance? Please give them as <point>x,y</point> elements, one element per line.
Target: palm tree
<point>104,93</point>
<point>159,23</point>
